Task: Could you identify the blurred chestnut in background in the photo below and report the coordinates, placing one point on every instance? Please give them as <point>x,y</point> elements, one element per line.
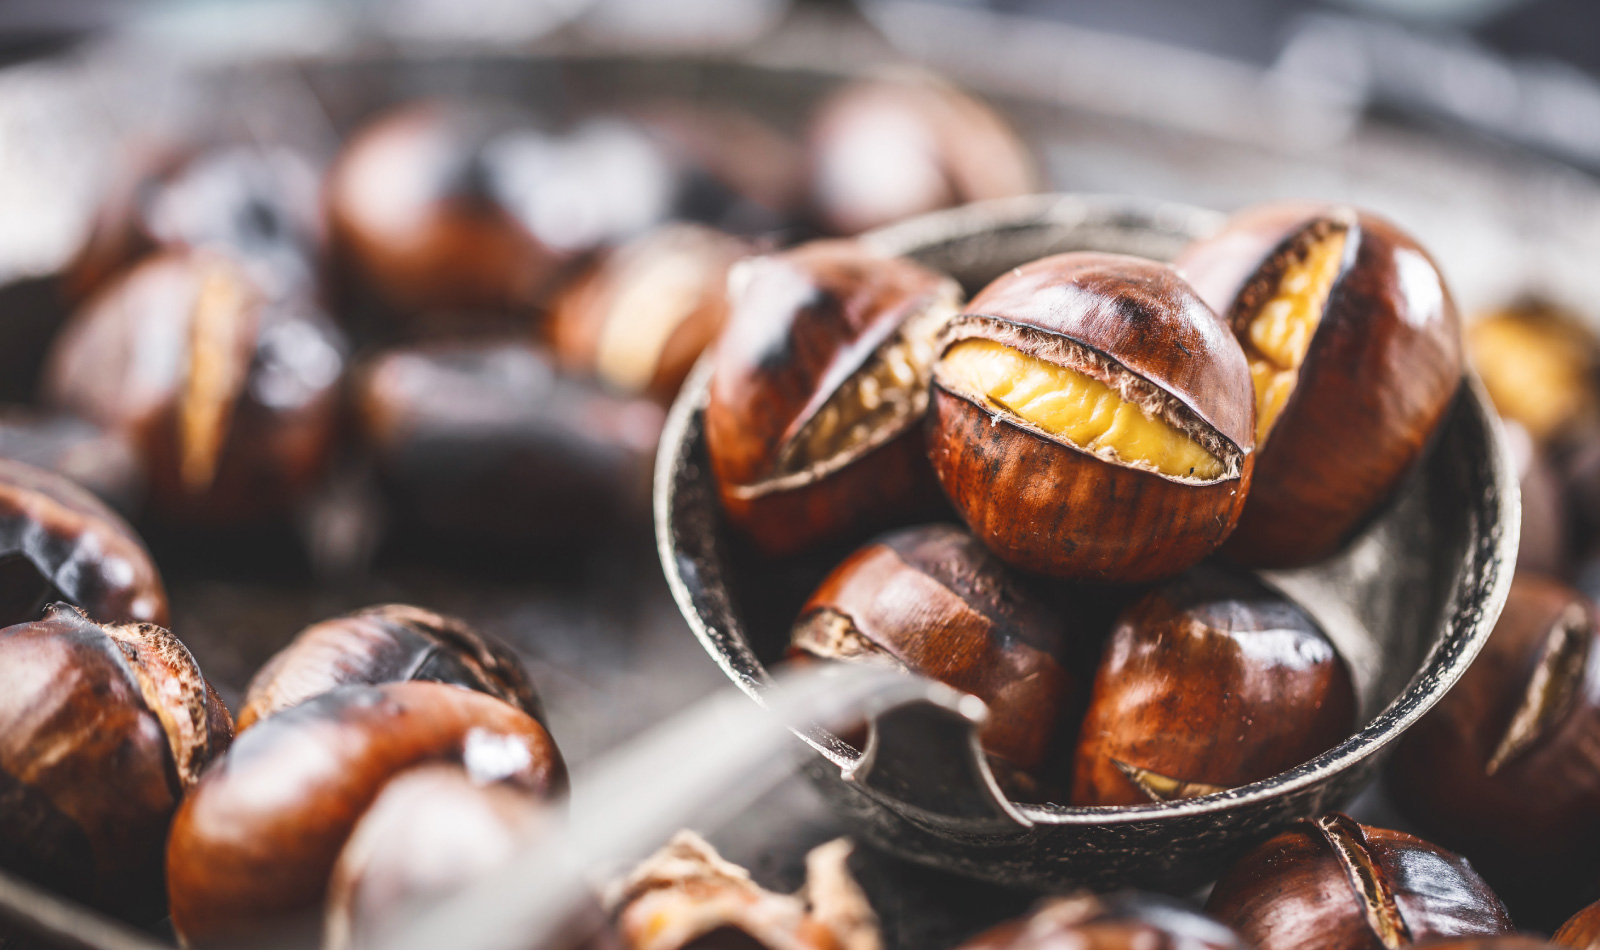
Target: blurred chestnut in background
<point>1502,769</point>
<point>389,643</point>
<point>1210,682</point>
<point>933,600</point>
<point>1355,349</point>
<point>58,542</point>
<point>818,386</point>
<point>1581,931</point>
<point>1333,884</point>
<point>1498,942</point>
<point>1128,920</point>
<point>487,441</point>
<point>103,728</point>
<point>885,149</point>
<point>1543,546</point>
<point>735,171</point>
<point>1540,365</point>
<point>231,394</point>
<point>105,462</point>
<point>641,315</point>
<point>1092,418</point>
<point>253,846</point>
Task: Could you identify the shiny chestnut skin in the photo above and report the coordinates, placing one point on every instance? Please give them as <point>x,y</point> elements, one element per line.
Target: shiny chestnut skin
<point>1129,920</point>
<point>885,149</point>
<point>935,601</point>
<point>1041,502</point>
<point>230,393</point>
<point>640,316</point>
<point>1207,683</point>
<point>1333,884</point>
<point>103,729</point>
<point>254,844</point>
<point>1381,368</point>
<point>1501,942</point>
<point>1581,931</point>
<point>389,643</point>
<point>818,386</point>
<point>105,462</point>
<point>58,542</point>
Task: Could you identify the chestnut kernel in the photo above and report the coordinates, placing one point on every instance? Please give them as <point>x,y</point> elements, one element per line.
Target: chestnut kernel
<point>1355,352</point>
<point>1207,683</point>
<point>1539,364</point>
<point>820,379</point>
<point>1581,931</point>
<point>1333,884</point>
<point>1129,920</point>
<point>1092,418</point>
<point>103,728</point>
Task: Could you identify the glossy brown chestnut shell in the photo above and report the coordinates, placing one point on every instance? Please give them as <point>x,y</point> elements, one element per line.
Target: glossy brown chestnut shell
<point>1129,920</point>
<point>254,844</point>
<point>1581,931</point>
<point>58,542</point>
<point>1333,884</point>
<point>1047,505</point>
<point>103,729</point>
<point>390,643</point>
<point>935,601</point>
<point>1210,682</point>
<point>819,382</point>
<point>1381,367</point>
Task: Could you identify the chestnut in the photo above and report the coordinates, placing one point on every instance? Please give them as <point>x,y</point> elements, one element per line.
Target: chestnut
<point>818,383</point>
<point>1207,683</point>
<point>1091,418</point>
<point>1581,931</point>
<point>640,316</point>
<point>736,172</point>
<point>103,728</point>
<point>1539,364</point>
<point>1543,546</point>
<point>230,393</point>
<point>1355,351</point>
<point>1129,920</point>
<point>1498,942</point>
<point>105,462</point>
<point>1332,884</point>
<point>253,846</point>
<point>886,149</point>
<point>1501,769</point>
<point>389,643</point>
<point>933,600</point>
<point>58,542</point>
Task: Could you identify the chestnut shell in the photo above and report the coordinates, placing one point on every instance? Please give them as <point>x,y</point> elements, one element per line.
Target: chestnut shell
<point>1581,931</point>
<point>1128,920</point>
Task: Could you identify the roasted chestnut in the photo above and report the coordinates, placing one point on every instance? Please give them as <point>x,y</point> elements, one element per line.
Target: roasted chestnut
<point>640,316</point>
<point>820,379</point>
<point>105,462</point>
<point>390,643</point>
<point>933,600</point>
<point>1092,418</point>
<point>1499,942</point>
<point>1207,683</point>
<point>1540,365</point>
<point>231,394</point>
<point>1581,931</point>
<point>254,844</point>
<point>1502,768</point>
<point>103,728</point>
<point>1355,350</point>
<point>58,542</point>
<point>1544,545</point>
<point>886,149</point>
<point>1332,884</point>
<point>1124,921</point>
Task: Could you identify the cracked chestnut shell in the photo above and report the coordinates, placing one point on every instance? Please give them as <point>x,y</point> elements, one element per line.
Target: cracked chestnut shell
<point>1355,350</point>
<point>58,542</point>
<point>1332,884</point>
<point>936,602</point>
<point>103,729</point>
<point>1092,418</point>
<point>253,846</point>
<point>1581,931</point>
<point>819,383</point>
<point>1207,683</point>
<point>389,643</point>
<point>1128,920</point>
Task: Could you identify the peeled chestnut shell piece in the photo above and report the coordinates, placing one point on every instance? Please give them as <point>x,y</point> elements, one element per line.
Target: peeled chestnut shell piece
<point>1354,348</point>
<point>103,729</point>
<point>390,643</point>
<point>933,600</point>
<point>1334,884</point>
<point>1123,921</point>
<point>1207,683</point>
<point>1092,418</point>
<point>820,381</point>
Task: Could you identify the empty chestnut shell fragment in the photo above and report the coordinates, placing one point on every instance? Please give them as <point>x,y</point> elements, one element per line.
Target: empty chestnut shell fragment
<point>1123,921</point>
<point>1333,884</point>
<point>820,380</point>
<point>1092,418</point>
<point>1208,683</point>
<point>1355,351</point>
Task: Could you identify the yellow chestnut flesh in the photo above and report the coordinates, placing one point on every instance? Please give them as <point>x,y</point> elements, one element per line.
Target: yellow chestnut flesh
<point>646,312</point>
<point>1280,333</point>
<point>1537,367</point>
<point>1075,408</point>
